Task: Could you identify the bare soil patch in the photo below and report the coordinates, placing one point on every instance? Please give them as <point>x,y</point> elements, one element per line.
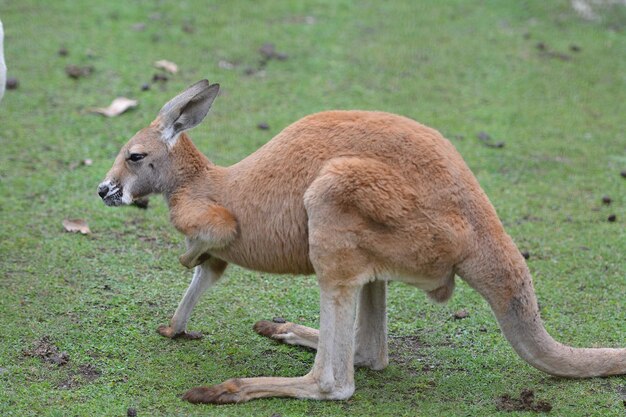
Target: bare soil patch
<point>525,402</point>
<point>47,352</point>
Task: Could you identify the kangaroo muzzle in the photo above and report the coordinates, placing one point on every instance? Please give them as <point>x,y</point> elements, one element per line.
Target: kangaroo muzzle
<point>111,193</point>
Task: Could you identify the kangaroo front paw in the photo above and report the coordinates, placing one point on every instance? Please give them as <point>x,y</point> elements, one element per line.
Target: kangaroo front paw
<point>168,332</point>
<point>225,393</point>
<point>191,259</point>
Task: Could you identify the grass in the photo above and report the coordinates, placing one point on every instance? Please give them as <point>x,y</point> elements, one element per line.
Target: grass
<point>462,67</point>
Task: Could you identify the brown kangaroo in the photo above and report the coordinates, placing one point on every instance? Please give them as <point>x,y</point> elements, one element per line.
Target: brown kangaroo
<point>357,198</point>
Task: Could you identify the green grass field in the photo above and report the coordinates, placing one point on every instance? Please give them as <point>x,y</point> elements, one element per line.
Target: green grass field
<point>530,74</point>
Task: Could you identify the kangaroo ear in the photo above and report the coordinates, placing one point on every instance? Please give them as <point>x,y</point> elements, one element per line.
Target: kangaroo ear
<point>186,110</point>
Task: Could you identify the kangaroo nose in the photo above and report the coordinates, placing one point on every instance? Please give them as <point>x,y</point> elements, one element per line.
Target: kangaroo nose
<point>103,190</point>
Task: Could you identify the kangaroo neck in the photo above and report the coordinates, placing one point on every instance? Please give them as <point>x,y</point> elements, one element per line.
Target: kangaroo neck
<point>191,174</point>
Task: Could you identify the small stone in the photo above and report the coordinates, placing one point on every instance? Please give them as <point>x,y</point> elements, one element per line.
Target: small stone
<point>12,83</point>
<point>526,254</point>
<point>263,126</point>
<point>612,218</point>
<point>279,320</point>
<point>461,314</point>
<point>606,200</point>
<point>145,87</point>
<point>131,412</point>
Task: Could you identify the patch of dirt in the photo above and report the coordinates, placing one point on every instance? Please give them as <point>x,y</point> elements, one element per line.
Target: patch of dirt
<point>47,351</point>
<point>268,52</point>
<point>76,71</point>
<point>85,374</point>
<point>556,55</point>
<point>405,351</point>
<point>525,402</point>
<point>546,52</point>
<point>88,372</point>
<point>486,139</point>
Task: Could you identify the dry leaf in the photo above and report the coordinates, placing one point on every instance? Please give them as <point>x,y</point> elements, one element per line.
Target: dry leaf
<point>76,226</point>
<point>166,65</point>
<point>117,107</point>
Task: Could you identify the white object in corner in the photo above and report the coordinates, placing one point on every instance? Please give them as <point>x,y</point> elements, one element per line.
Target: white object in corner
<point>3,67</point>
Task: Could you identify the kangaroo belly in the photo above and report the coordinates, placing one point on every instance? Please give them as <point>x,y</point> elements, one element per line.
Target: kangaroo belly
<point>280,246</point>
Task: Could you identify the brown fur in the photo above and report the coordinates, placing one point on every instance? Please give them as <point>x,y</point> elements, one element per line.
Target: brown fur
<point>357,198</point>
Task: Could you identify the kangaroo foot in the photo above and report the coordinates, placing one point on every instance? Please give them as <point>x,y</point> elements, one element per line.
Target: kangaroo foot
<point>169,332</point>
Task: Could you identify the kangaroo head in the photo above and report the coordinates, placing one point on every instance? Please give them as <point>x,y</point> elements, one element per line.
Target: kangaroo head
<point>143,165</point>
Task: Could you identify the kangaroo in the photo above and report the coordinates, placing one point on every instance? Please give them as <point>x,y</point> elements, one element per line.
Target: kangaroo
<point>357,198</point>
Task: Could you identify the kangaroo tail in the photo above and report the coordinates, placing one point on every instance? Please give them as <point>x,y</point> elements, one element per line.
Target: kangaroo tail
<point>501,276</point>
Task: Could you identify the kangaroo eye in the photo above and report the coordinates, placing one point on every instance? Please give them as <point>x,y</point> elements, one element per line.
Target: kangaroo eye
<point>136,157</point>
